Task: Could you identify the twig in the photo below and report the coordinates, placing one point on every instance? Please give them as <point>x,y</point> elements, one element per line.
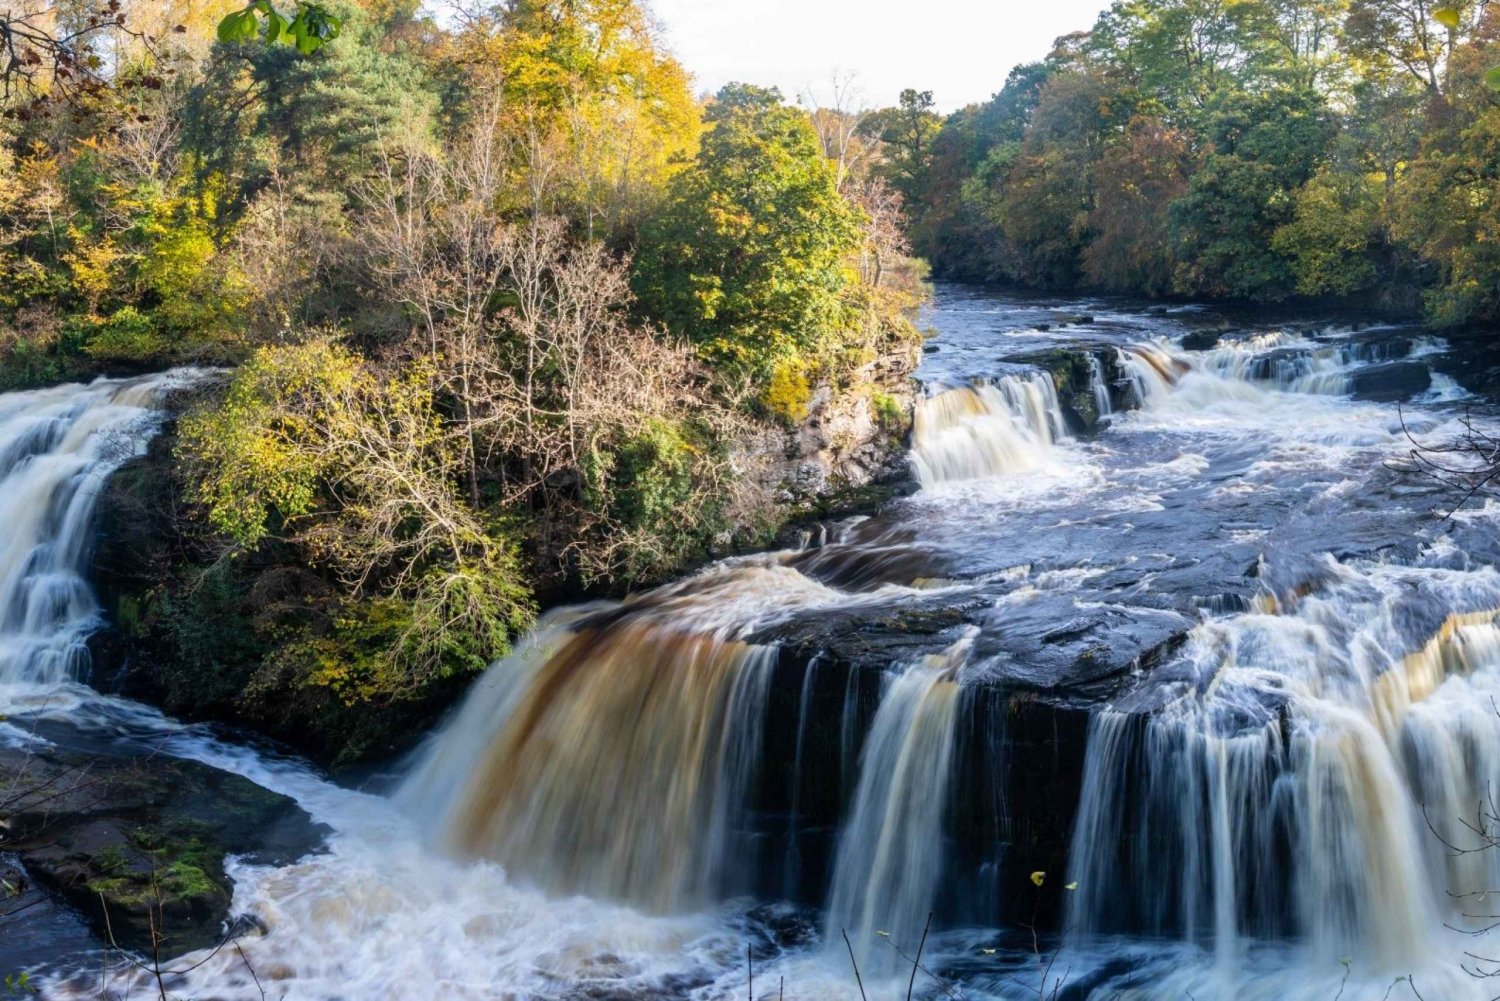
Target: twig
<point>855,964</point>
<point>246,960</point>
<point>914,963</point>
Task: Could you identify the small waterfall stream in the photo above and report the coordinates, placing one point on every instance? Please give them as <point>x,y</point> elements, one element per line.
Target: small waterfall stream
<point>987,429</point>
<point>889,862</point>
<point>57,447</point>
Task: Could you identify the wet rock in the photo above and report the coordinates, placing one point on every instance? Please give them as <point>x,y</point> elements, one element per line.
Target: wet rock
<point>1071,368</point>
<point>1473,360</point>
<point>1076,651</point>
<point>1400,380</point>
<point>1380,344</point>
<point>1201,340</point>
<point>137,845</point>
<point>847,454</point>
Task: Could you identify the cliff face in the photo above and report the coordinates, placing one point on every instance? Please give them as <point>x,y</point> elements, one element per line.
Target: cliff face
<point>851,448</point>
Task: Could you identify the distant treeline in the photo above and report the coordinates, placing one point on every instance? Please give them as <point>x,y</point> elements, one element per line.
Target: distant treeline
<point>1256,149</point>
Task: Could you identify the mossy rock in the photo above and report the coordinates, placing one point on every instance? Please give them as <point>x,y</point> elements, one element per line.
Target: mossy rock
<point>137,845</point>
<point>1071,369</point>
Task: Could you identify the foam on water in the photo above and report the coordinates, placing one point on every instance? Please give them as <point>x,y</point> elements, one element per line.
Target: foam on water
<point>986,430</point>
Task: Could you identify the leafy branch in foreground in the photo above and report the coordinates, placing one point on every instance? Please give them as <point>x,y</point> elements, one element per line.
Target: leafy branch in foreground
<point>308,27</point>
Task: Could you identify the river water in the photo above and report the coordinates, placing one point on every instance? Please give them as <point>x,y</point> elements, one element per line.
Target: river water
<point>1163,684</point>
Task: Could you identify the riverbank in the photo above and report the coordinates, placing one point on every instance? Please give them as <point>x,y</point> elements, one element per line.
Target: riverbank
<point>199,630</point>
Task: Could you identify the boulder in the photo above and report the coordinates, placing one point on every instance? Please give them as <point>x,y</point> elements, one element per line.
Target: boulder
<point>137,844</point>
<point>1201,340</point>
<point>1397,380</point>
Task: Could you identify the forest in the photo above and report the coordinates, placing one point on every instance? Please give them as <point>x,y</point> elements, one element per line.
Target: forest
<point>1265,150</point>
<point>500,310</point>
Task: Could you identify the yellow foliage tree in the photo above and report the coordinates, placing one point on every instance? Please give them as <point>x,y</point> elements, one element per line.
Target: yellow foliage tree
<point>601,116</point>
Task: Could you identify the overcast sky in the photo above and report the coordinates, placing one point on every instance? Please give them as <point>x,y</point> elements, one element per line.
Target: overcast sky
<point>961,50</point>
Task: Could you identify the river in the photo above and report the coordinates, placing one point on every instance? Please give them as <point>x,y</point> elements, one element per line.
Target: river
<point>1173,663</point>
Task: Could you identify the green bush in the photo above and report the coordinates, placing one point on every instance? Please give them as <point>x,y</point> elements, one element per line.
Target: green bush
<point>127,336</point>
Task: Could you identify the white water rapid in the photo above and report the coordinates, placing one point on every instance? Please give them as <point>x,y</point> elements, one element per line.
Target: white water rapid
<point>1189,701</point>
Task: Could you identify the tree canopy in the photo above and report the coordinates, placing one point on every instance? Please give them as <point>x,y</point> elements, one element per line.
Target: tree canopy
<point>1258,149</point>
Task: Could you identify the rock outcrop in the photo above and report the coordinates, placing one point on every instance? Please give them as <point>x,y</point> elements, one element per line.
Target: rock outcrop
<point>137,844</point>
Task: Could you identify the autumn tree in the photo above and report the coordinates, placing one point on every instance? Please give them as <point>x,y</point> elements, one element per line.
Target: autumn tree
<point>749,258</point>
<point>1136,180</point>
<point>607,115</point>
<point>1264,148</point>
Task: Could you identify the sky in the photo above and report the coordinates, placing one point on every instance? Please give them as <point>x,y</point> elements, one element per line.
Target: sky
<point>961,50</point>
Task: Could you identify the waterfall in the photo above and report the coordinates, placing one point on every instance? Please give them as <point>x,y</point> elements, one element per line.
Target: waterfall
<point>613,753</point>
<point>987,429</point>
<point>57,446</point>
<point>1288,790</point>
<point>1099,387</point>
<point>1285,363</point>
<point>1291,364</point>
<point>619,767</point>
<point>891,857</point>
<point>1152,368</point>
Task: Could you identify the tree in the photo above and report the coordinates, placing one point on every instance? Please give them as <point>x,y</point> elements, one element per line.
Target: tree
<point>843,129</point>
<point>908,131</point>
<point>1330,239</point>
<point>41,52</point>
<point>604,114</point>
<point>1304,42</point>
<point>1449,212</point>
<point>1265,147</point>
<point>1416,37</point>
<point>954,229</point>
<point>748,259</point>
<point>1180,53</point>
<point>351,463</point>
<point>1136,180</point>
<point>1046,195</point>
<point>326,116</point>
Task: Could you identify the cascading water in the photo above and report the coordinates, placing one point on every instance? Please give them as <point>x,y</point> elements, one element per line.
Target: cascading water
<point>57,446</point>
<point>1099,387</point>
<point>614,753</point>
<point>1295,364</point>
<point>988,429</point>
<point>1286,792</point>
<point>612,760</point>
<point>1134,641</point>
<point>1152,368</point>
<point>889,866</point>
